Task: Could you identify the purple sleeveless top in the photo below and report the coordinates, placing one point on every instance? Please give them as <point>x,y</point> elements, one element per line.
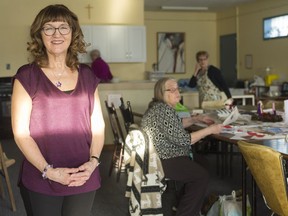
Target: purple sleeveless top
<point>60,125</point>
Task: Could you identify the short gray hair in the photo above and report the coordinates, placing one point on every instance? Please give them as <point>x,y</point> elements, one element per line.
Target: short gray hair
<point>159,89</point>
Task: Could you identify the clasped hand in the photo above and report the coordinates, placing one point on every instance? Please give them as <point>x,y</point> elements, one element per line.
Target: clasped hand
<point>73,177</point>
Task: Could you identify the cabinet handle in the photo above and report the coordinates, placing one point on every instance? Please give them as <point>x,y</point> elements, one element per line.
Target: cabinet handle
<point>129,55</point>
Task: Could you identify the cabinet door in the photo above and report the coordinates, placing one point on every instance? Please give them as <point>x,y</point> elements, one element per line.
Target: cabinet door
<point>96,38</point>
<point>87,32</point>
<point>99,41</point>
<point>137,44</point>
<point>118,44</point>
<point>127,43</point>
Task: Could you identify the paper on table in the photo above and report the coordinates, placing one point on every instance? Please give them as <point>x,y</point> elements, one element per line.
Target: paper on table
<point>238,137</point>
<point>233,116</point>
<point>286,111</point>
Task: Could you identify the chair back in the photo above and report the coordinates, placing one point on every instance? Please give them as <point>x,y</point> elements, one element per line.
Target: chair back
<point>127,114</point>
<point>145,182</point>
<point>119,142</point>
<point>4,164</point>
<point>266,167</point>
<point>115,123</point>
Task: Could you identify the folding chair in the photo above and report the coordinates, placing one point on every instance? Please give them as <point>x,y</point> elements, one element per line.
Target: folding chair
<point>5,163</point>
<point>119,142</point>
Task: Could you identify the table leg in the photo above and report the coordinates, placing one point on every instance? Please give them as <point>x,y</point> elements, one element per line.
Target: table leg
<point>254,199</point>
<point>244,201</point>
<point>223,159</point>
<point>218,158</point>
<point>231,155</point>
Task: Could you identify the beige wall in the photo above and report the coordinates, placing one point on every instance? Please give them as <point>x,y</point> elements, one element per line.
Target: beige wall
<point>199,29</point>
<point>202,32</point>
<point>248,26</point>
<point>227,22</point>
<point>16,17</point>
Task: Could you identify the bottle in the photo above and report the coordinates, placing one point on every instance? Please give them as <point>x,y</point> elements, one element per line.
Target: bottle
<point>273,108</point>
<point>246,85</point>
<point>259,108</point>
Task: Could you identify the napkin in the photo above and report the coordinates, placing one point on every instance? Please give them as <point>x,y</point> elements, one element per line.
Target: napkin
<point>233,116</point>
<point>286,111</point>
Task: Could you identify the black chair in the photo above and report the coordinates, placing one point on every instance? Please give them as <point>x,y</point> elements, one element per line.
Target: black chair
<point>127,114</point>
<point>117,161</point>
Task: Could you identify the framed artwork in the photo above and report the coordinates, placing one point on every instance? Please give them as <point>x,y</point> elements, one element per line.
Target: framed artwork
<point>171,52</point>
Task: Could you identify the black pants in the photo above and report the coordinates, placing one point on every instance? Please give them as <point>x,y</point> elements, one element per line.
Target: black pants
<point>195,179</point>
<point>37,204</point>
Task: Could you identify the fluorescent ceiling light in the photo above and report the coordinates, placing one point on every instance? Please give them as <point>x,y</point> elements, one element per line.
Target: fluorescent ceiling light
<point>183,8</point>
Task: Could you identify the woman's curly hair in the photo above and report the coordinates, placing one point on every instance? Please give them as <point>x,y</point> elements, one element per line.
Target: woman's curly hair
<point>54,13</point>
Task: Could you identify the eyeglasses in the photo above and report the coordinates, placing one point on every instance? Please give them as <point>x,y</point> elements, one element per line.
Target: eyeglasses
<point>173,90</point>
<point>202,59</point>
<point>50,30</point>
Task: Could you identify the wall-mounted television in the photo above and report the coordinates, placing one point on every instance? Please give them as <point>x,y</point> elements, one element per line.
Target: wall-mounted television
<point>275,27</point>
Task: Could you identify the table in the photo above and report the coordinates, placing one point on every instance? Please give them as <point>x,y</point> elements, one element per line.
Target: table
<point>279,145</point>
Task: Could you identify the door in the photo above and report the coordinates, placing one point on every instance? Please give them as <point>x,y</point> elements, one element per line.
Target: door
<point>228,59</point>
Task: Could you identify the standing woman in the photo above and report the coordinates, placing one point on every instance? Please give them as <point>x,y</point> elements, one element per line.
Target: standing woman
<point>57,119</point>
<point>210,82</point>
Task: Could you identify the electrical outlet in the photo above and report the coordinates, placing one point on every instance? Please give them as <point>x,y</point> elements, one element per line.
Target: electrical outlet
<point>8,66</point>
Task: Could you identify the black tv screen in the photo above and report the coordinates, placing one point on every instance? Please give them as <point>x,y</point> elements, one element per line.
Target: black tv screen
<point>275,27</point>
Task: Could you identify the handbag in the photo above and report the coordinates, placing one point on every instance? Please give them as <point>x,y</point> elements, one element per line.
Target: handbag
<point>229,205</point>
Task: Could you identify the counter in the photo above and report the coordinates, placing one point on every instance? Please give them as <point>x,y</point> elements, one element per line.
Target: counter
<point>127,85</point>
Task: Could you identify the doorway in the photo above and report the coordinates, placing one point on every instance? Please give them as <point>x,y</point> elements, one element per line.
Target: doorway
<point>228,59</point>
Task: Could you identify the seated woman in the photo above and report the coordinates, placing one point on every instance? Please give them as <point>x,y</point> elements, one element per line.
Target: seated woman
<point>173,144</point>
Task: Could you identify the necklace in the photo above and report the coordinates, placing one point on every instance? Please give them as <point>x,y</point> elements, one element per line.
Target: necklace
<point>58,83</point>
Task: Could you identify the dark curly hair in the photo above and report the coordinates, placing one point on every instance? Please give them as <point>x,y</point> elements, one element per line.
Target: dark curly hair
<point>54,13</point>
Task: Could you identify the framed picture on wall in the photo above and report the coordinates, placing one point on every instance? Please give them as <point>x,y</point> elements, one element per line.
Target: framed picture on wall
<point>171,52</point>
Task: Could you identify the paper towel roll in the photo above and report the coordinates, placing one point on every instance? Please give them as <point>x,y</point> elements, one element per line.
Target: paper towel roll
<point>286,111</point>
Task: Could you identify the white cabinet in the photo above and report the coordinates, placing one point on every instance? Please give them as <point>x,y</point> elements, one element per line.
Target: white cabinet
<point>116,43</point>
<point>96,37</point>
<point>127,43</point>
